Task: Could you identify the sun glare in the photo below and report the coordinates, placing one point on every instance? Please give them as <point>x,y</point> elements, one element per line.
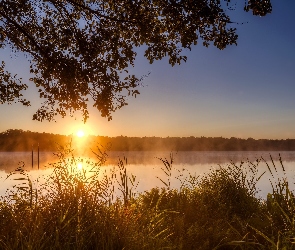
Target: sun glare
<point>80,166</point>
<point>80,133</point>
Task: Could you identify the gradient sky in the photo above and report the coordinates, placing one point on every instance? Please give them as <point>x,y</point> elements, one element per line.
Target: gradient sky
<point>243,91</point>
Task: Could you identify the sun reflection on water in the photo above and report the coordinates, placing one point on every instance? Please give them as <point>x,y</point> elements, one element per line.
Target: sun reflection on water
<point>80,166</point>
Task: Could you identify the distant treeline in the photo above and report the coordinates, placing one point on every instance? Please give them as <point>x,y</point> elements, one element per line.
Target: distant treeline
<point>19,140</point>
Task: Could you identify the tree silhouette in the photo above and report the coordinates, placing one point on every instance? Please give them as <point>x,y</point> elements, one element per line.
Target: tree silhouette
<point>80,50</point>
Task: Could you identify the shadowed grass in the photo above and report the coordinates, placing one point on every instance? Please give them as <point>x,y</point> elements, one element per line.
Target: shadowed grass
<point>92,208</point>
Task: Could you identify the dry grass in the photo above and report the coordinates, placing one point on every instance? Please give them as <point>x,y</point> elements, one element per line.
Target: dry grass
<point>78,210</point>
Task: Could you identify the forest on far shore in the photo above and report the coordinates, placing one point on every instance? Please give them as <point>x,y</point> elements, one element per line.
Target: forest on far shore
<point>19,140</point>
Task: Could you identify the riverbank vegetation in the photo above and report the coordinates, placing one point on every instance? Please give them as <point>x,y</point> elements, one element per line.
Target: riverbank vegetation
<point>19,140</point>
<point>91,208</point>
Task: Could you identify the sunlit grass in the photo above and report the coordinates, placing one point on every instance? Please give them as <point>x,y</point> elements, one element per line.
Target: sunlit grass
<point>85,206</point>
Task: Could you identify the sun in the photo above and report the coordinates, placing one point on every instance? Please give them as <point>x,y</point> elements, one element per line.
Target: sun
<point>80,133</point>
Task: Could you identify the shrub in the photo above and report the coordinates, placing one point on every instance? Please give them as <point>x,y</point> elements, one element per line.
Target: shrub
<point>75,210</point>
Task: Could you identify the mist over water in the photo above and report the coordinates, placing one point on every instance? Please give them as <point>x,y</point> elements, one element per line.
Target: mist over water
<point>147,166</point>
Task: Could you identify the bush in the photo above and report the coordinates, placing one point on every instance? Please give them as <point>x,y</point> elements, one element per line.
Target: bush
<point>75,210</point>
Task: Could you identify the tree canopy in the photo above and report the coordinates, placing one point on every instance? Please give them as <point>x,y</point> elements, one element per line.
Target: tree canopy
<point>80,51</point>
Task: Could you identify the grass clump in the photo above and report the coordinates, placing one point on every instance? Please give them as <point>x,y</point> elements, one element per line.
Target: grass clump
<point>78,209</point>
<point>95,209</point>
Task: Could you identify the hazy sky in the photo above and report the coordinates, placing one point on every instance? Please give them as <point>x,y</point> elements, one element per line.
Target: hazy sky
<point>243,91</point>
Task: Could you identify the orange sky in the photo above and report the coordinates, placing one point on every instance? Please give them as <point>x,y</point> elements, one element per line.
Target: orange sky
<point>243,91</point>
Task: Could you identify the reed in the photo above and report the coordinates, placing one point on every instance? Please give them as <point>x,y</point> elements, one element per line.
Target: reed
<point>99,209</point>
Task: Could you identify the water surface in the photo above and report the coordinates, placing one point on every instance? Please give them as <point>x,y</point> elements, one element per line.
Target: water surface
<point>148,166</point>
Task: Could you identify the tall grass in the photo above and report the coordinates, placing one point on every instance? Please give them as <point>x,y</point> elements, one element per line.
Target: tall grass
<point>94,208</point>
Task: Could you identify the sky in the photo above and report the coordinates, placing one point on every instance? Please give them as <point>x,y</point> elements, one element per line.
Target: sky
<point>243,91</point>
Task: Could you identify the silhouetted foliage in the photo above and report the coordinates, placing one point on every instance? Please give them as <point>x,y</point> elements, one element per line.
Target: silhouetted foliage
<point>81,51</point>
<point>19,140</point>
<point>75,210</point>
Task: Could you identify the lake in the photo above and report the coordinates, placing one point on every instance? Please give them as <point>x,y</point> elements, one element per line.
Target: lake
<point>147,166</point>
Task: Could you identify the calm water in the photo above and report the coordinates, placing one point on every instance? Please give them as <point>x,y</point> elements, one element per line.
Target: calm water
<point>146,166</point>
